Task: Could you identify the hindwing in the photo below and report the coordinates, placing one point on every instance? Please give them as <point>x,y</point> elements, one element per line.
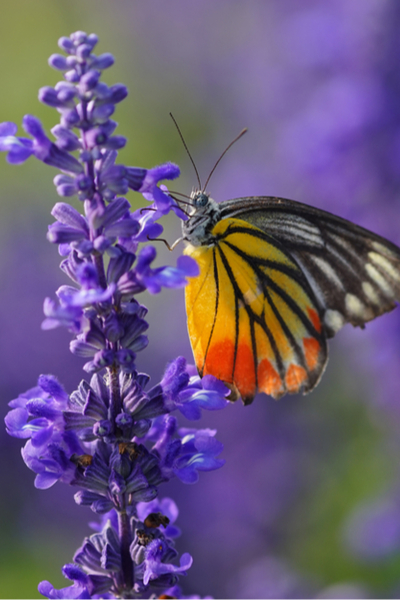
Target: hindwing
<point>253,318</point>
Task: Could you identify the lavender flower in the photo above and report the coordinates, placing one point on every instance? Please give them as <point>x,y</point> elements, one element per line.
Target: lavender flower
<point>114,439</point>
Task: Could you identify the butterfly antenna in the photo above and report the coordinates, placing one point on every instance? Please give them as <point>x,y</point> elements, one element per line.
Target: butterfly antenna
<point>241,134</point>
<point>179,201</point>
<point>187,149</point>
<point>171,192</point>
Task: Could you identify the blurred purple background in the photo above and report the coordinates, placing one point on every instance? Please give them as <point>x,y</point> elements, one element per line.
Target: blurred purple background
<point>308,504</point>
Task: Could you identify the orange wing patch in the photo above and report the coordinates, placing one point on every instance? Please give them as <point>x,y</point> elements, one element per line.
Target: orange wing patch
<point>220,358</point>
<point>312,349</point>
<point>252,318</point>
<point>295,378</point>
<point>315,320</point>
<point>245,377</point>
<point>269,380</point>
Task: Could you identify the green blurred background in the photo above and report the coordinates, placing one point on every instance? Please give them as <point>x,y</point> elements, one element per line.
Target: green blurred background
<point>218,66</point>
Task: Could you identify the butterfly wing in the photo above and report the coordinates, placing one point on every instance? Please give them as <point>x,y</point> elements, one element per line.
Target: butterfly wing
<point>252,316</point>
<point>354,273</point>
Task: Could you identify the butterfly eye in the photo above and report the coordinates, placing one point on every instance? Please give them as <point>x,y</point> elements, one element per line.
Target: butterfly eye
<point>201,200</point>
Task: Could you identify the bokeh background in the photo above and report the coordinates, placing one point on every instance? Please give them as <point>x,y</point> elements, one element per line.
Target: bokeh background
<point>308,503</point>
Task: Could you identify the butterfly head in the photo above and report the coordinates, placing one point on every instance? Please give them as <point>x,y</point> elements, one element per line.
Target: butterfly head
<point>205,213</point>
<point>200,199</point>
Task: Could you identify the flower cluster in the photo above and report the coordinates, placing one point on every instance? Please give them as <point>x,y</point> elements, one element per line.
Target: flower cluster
<point>114,439</point>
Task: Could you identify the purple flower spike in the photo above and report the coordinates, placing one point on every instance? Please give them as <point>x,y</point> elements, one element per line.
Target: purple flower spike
<point>114,439</point>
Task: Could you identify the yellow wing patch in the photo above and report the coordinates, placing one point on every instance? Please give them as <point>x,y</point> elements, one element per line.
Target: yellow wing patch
<point>252,318</point>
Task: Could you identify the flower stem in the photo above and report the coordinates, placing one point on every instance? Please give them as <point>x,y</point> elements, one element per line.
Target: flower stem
<point>115,394</point>
<point>125,538</point>
<point>99,264</point>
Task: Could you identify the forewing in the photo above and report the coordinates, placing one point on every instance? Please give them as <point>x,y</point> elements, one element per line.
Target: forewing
<point>252,317</point>
<point>354,273</point>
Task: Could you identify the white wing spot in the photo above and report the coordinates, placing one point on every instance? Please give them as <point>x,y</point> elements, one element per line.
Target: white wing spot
<point>354,305</point>
<point>370,292</point>
<point>334,320</point>
<point>379,279</point>
<point>343,243</point>
<point>384,250</point>
<point>342,259</point>
<point>383,262</point>
<point>328,271</point>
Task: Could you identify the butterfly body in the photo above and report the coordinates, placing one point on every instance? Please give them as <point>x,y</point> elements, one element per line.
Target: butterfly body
<point>277,278</point>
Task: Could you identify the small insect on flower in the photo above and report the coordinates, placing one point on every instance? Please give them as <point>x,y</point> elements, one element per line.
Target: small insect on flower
<point>83,460</point>
<point>130,448</point>
<point>143,538</point>
<point>154,520</point>
<point>277,278</point>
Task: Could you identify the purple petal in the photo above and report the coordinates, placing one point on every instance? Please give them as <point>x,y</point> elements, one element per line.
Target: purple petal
<point>46,480</point>
<point>68,215</point>
<point>8,128</point>
<point>15,422</point>
<point>153,176</point>
<point>188,266</point>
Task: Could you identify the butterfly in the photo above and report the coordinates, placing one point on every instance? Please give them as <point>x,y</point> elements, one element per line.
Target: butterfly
<point>277,279</point>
